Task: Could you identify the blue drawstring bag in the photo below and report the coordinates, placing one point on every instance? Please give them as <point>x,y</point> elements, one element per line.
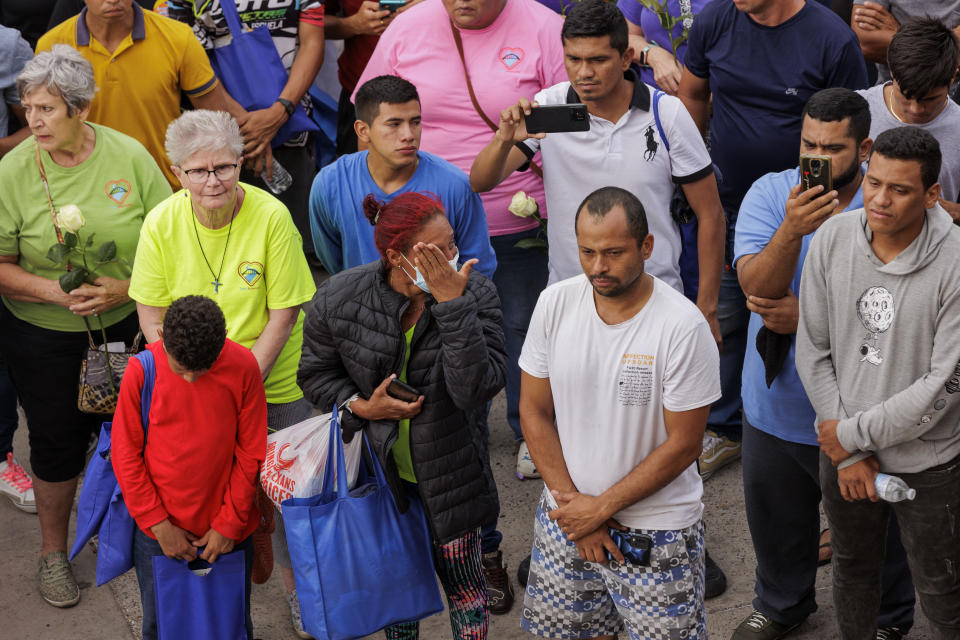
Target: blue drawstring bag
<point>100,509</point>
<point>360,565</point>
<point>200,607</point>
<point>253,73</point>
<point>685,219</point>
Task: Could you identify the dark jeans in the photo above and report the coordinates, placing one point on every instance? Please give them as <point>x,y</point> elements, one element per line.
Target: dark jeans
<point>930,526</point>
<point>144,548</point>
<point>8,411</point>
<point>520,277</point>
<point>732,314</point>
<point>298,161</point>
<point>781,488</point>
<point>490,536</point>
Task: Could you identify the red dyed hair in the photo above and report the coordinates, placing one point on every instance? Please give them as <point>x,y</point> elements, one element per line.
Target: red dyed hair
<point>395,224</point>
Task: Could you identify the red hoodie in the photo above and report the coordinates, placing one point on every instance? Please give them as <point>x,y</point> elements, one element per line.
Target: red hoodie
<point>205,445</point>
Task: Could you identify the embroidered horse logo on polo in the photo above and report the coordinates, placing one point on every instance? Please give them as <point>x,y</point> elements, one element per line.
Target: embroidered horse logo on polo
<point>511,57</point>
<point>652,145</point>
<point>250,272</point>
<point>118,191</point>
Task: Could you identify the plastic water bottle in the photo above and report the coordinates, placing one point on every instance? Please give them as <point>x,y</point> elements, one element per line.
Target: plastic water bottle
<point>281,180</point>
<point>893,489</point>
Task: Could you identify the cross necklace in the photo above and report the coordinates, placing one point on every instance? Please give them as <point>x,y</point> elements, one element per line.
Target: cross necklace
<point>216,276</point>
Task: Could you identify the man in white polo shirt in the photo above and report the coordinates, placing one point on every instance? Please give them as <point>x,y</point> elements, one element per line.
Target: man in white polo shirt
<point>624,147</point>
<point>619,370</point>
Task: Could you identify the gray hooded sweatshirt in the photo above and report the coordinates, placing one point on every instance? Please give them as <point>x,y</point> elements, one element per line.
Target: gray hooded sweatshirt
<point>878,346</point>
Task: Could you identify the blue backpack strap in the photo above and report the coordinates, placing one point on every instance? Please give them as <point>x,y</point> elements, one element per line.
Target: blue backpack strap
<point>146,393</point>
<point>657,94</point>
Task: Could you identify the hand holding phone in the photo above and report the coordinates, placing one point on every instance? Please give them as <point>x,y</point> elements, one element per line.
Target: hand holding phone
<point>812,201</point>
<point>384,405</point>
<point>370,19</point>
<point>558,118</point>
<point>402,391</point>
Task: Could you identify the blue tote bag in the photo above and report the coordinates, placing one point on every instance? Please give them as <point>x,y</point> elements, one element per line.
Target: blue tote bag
<point>100,509</point>
<point>200,607</point>
<point>360,565</point>
<point>253,73</point>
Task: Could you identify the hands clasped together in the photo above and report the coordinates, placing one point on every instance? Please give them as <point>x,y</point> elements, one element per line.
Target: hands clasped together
<point>585,522</point>
<point>180,544</point>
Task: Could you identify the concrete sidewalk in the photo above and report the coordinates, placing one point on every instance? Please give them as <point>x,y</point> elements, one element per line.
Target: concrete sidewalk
<point>113,612</point>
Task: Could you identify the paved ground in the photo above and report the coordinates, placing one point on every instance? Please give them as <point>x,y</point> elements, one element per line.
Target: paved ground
<point>113,612</point>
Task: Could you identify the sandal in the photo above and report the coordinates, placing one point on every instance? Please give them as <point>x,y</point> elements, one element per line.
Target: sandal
<point>824,551</point>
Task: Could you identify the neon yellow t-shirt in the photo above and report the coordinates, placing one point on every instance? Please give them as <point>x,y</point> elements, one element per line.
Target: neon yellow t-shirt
<point>401,448</point>
<point>263,268</point>
<point>114,188</point>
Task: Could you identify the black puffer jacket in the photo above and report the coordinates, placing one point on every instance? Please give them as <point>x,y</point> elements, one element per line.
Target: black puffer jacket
<point>352,341</point>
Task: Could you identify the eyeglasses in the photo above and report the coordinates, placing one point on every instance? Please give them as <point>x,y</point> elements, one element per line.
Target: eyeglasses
<point>222,171</point>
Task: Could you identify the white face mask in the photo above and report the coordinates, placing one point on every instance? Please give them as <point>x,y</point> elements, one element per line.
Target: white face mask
<point>419,280</point>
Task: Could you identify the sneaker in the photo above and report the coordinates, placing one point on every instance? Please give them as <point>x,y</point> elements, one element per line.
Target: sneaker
<point>523,572</point>
<point>718,452</point>
<point>17,485</point>
<point>525,467</point>
<point>714,578</point>
<point>889,633</point>
<point>499,589</point>
<point>57,585</point>
<point>295,619</point>
<point>759,627</point>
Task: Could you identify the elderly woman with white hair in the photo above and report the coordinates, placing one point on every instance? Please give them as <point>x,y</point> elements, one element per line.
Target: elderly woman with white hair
<point>236,244</point>
<point>69,180</point>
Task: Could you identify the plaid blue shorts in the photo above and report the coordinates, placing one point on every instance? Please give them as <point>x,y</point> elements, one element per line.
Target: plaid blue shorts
<point>568,597</point>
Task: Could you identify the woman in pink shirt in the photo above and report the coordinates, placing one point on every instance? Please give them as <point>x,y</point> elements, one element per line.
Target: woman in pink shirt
<point>510,49</point>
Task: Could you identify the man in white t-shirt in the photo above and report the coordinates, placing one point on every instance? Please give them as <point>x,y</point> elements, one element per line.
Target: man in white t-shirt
<point>619,371</point>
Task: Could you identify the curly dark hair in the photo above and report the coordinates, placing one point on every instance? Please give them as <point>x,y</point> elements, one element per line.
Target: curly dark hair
<point>194,332</point>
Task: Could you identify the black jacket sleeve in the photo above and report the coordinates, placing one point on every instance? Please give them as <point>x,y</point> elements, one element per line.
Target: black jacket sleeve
<point>473,355</point>
<point>322,375</point>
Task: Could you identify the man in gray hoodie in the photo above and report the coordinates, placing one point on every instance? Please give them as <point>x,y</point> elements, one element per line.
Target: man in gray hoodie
<point>877,351</point>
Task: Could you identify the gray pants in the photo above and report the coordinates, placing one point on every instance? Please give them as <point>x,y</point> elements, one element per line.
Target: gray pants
<point>930,530</point>
<point>281,416</point>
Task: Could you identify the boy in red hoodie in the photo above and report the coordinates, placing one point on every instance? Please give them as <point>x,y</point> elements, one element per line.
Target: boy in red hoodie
<point>194,484</point>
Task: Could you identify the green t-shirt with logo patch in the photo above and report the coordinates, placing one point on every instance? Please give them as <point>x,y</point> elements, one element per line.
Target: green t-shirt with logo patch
<point>263,268</point>
<point>114,188</point>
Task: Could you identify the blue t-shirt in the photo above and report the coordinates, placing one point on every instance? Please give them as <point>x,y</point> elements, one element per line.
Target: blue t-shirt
<point>760,78</point>
<point>653,31</point>
<point>15,53</point>
<point>783,410</point>
<point>342,235</point>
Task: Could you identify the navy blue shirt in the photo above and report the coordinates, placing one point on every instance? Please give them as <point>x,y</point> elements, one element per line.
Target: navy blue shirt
<point>760,78</point>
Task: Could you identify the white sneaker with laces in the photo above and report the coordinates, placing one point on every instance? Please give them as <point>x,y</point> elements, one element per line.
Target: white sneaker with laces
<point>525,467</point>
<point>16,484</point>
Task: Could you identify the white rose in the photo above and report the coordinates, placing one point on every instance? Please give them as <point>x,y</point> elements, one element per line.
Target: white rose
<point>522,205</point>
<point>70,218</point>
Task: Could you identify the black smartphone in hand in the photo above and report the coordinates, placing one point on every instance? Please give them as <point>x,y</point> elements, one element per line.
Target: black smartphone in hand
<point>558,118</point>
<point>402,391</point>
